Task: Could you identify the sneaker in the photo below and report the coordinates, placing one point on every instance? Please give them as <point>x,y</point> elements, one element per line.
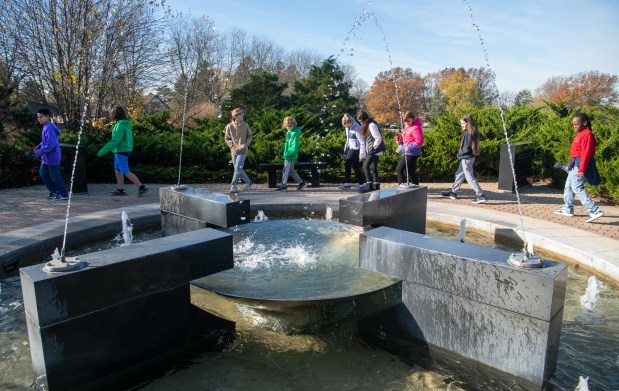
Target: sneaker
<point>564,212</point>
<point>51,195</point>
<point>282,188</point>
<point>360,187</point>
<point>141,190</point>
<point>302,186</point>
<point>480,199</point>
<point>58,197</point>
<point>248,186</point>
<point>596,214</point>
<point>450,194</point>
<point>233,190</point>
<point>119,192</point>
<point>345,186</point>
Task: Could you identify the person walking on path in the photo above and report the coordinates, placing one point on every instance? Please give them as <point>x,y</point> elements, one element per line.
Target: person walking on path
<point>290,152</point>
<point>581,168</point>
<point>49,152</point>
<point>412,141</point>
<point>354,143</point>
<point>469,149</point>
<point>238,138</point>
<point>374,147</point>
<point>121,145</point>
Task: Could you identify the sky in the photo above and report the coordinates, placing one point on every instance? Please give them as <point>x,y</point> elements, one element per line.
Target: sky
<point>525,42</point>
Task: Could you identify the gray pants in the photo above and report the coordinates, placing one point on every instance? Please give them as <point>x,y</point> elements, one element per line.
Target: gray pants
<point>290,171</point>
<point>465,171</point>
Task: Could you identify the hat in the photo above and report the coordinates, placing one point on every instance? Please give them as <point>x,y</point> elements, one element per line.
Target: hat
<point>237,111</point>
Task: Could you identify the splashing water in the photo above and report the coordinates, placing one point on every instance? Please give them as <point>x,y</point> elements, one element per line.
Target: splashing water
<point>329,214</point>
<point>56,254</point>
<point>252,256</point>
<point>261,216</point>
<point>127,229</point>
<point>592,294</point>
<point>583,384</point>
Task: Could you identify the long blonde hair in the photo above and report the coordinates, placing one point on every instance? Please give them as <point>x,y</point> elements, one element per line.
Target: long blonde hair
<point>471,127</point>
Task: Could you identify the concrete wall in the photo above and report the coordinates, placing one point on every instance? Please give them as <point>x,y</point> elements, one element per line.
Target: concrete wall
<point>468,300</point>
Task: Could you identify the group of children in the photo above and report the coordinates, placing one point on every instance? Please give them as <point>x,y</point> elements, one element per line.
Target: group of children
<point>364,142</point>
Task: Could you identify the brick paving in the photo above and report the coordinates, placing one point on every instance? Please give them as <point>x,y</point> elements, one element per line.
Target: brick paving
<point>28,206</point>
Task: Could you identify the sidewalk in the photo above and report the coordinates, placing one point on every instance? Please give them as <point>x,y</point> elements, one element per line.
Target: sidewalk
<point>27,206</point>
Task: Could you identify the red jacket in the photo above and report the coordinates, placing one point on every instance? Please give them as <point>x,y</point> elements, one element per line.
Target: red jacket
<point>583,147</point>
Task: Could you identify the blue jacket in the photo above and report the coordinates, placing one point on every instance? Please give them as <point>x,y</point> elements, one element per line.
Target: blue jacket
<point>49,149</point>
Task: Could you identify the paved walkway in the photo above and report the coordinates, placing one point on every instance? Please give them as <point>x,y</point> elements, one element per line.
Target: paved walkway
<point>27,206</point>
<point>592,245</point>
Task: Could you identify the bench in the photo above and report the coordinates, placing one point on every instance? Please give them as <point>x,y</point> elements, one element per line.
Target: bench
<point>271,169</point>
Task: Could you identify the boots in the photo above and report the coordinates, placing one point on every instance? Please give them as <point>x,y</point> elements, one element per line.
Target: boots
<point>369,186</point>
<point>376,186</point>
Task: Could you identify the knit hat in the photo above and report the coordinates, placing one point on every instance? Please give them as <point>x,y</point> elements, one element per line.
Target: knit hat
<point>237,111</point>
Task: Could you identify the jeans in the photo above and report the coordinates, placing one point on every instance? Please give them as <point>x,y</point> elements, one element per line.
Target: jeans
<point>465,171</point>
<point>410,162</point>
<point>289,170</point>
<point>50,174</point>
<point>576,185</point>
<point>238,161</point>
<point>352,160</point>
<point>371,167</point>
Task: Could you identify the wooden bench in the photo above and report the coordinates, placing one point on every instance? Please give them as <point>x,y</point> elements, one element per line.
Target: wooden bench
<point>271,169</point>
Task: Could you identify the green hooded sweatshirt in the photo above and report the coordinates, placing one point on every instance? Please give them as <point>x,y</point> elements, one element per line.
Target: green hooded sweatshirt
<point>122,139</point>
<point>291,148</point>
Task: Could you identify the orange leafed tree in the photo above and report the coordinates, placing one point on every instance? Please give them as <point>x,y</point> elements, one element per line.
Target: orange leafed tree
<point>381,101</point>
<point>580,90</point>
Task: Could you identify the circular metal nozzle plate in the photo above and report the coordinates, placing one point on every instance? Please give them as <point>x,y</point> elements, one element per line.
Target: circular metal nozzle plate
<point>56,265</point>
<point>529,262</point>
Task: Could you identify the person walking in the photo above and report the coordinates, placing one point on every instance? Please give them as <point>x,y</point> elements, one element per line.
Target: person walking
<point>469,150</point>
<point>581,169</point>
<point>49,152</point>
<point>121,145</point>
<point>238,138</point>
<point>290,152</point>
<point>412,141</point>
<point>354,143</point>
<point>374,147</point>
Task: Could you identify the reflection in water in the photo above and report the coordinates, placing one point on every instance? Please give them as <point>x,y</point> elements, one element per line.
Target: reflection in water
<point>336,358</point>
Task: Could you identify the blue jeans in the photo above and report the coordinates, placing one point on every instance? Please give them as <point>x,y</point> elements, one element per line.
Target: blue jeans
<point>238,161</point>
<point>290,171</point>
<point>576,185</point>
<point>50,174</point>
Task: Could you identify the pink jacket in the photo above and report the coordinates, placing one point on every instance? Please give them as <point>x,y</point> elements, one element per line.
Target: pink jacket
<point>413,137</point>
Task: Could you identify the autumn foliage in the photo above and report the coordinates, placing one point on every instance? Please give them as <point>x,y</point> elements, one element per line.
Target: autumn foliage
<point>581,90</point>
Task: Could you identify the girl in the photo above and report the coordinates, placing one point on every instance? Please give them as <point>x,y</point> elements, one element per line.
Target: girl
<point>469,149</point>
<point>374,147</point>
<point>354,142</point>
<point>412,141</point>
<point>291,154</point>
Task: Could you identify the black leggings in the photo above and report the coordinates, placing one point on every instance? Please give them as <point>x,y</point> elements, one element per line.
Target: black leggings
<point>410,162</point>
<point>352,160</point>
<point>371,166</point>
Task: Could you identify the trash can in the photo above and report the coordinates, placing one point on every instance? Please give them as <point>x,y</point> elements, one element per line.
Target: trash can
<point>522,160</point>
<point>80,182</point>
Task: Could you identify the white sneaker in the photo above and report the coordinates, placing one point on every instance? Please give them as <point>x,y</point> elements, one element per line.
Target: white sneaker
<point>345,186</point>
<point>248,186</point>
<point>233,190</point>
<point>594,215</point>
<point>564,212</point>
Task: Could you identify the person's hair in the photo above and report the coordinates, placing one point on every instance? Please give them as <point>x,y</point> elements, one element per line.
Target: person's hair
<point>288,120</point>
<point>365,121</point>
<point>347,119</point>
<point>583,118</point>
<point>471,127</point>
<point>407,115</point>
<point>236,112</point>
<point>45,112</point>
<point>117,113</point>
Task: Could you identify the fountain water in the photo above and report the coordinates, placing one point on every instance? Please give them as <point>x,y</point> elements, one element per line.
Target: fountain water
<point>127,231</point>
<point>592,294</point>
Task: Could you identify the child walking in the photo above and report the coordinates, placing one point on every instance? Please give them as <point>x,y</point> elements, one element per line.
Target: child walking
<point>469,149</point>
<point>121,145</point>
<point>49,152</point>
<point>291,154</point>
<point>374,147</point>
<point>354,143</point>
<point>238,138</point>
